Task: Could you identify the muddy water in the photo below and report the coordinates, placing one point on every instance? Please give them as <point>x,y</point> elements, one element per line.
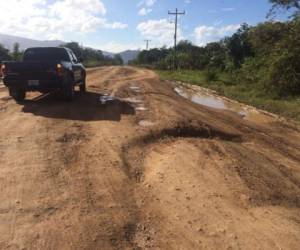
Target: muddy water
<point>208,98</point>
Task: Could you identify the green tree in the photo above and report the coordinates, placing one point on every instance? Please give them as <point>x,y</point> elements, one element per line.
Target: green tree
<point>4,54</point>
<point>285,4</point>
<point>284,63</point>
<point>118,60</point>
<point>16,53</point>
<point>238,46</point>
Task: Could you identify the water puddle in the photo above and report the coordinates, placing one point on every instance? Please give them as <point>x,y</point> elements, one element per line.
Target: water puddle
<point>132,100</point>
<point>141,108</point>
<point>208,98</point>
<point>135,89</point>
<point>145,123</point>
<point>106,99</point>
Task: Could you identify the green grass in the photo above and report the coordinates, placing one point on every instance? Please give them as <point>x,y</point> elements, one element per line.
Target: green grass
<point>92,64</point>
<point>249,94</point>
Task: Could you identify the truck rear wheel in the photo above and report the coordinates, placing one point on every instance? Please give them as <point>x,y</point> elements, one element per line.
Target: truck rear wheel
<point>68,89</point>
<point>18,94</point>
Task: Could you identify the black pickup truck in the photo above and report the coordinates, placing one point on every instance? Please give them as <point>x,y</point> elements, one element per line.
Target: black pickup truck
<point>44,70</point>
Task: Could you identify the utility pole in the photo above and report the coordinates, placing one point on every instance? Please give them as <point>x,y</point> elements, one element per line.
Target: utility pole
<point>175,36</point>
<point>147,43</point>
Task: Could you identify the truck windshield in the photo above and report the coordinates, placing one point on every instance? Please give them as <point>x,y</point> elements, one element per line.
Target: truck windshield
<point>45,55</point>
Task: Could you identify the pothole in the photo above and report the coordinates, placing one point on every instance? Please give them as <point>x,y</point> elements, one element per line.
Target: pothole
<point>187,131</point>
<point>139,236</point>
<point>134,153</point>
<point>72,137</point>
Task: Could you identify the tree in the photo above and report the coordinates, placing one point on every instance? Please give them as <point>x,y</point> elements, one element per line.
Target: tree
<point>284,63</point>
<point>16,54</point>
<point>285,4</point>
<point>118,60</point>
<point>4,54</point>
<point>238,46</point>
<point>216,54</point>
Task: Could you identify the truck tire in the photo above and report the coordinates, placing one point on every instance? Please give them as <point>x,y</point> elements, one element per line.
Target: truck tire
<point>18,95</point>
<point>68,89</point>
<point>82,86</point>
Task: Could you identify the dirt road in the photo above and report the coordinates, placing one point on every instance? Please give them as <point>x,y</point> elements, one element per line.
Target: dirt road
<point>149,170</point>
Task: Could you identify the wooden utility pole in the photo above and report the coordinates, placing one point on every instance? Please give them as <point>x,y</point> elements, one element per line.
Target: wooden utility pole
<point>147,43</point>
<point>175,36</point>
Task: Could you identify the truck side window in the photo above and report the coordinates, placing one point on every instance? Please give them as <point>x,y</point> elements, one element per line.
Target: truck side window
<point>71,56</point>
<point>75,58</point>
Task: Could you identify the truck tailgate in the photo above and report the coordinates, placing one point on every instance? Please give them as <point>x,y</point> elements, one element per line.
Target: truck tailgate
<point>31,70</point>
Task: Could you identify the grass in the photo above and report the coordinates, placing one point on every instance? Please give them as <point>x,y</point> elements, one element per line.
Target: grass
<point>250,94</point>
<point>92,64</point>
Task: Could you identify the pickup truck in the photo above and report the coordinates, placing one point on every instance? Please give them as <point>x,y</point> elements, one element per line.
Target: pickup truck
<point>45,70</point>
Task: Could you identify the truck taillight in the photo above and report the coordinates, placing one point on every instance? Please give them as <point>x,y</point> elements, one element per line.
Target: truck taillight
<point>59,69</point>
<point>3,70</point>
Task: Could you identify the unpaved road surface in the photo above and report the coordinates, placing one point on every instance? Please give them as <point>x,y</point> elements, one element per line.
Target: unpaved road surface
<point>149,170</point>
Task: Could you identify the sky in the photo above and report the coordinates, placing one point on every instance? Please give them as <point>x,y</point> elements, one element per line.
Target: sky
<point>118,25</point>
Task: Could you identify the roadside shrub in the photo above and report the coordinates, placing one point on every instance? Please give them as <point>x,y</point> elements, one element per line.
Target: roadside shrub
<point>284,75</point>
<point>284,71</point>
<point>252,71</point>
<point>210,75</point>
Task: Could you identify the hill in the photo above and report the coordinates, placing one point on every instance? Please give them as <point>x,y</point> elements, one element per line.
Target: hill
<point>8,41</point>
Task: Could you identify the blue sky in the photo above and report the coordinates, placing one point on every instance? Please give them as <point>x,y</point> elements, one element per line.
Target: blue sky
<point>116,25</point>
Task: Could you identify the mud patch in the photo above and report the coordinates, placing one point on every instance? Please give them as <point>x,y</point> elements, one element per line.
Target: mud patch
<point>270,182</point>
<point>139,236</point>
<point>71,137</point>
<point>6,98</point>
<point>189,131</point>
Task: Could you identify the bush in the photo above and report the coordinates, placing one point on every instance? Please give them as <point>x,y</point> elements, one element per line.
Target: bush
<point>252,71</point>
<point>210,75</point>
<point>284,72</point>
<point>284,76</point>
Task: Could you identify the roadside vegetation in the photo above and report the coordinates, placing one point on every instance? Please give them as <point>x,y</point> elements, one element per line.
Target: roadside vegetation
<point>91,57</point>
<point>258,65</point>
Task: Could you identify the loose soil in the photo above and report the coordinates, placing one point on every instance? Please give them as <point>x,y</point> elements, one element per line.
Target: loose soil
<point>148,169</point>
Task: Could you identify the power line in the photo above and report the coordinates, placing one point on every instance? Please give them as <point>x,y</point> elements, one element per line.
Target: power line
<point>175,36</point>
<point>147,43</point>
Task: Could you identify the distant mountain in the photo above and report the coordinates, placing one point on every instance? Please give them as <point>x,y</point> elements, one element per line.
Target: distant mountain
<point>129,55</point>
<point>105,53</point>
<point>8,41</point>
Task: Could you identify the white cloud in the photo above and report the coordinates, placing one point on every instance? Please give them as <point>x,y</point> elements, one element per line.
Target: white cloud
<point>144,11</point>
<point>147,3</point>
<point>161,32</point>
<point>145,6</point>
<point>117,25</point>
<point>207,34</point>
<point>37,19</point>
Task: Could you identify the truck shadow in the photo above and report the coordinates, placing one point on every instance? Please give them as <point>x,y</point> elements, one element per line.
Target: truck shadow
<point>85,107</point>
